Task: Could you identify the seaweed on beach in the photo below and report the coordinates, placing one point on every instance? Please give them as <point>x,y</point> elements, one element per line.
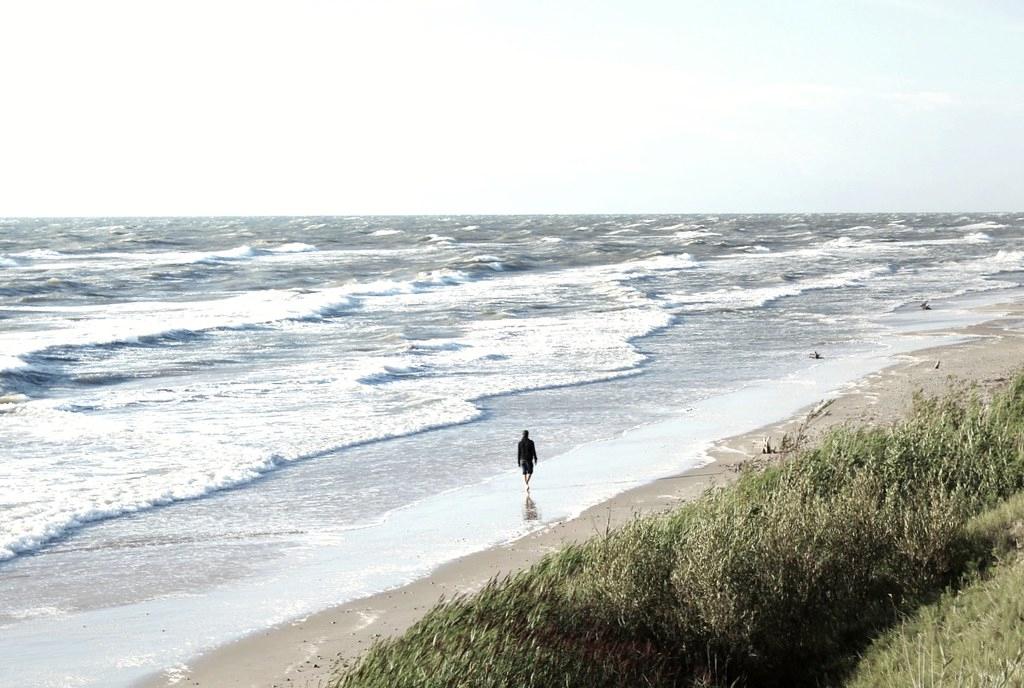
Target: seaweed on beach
<point>780,579</point>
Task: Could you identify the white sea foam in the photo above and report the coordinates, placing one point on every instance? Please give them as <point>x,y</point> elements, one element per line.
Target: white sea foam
<point>227,464</point>
<point>977,238</point>
<point>238,253</point>
<point>493,262</point>
<point>739,297</point>
<point>496,356</point>
<point>679,225</point>
<point>12,361</point>
<point>132,322</point>
<point>218,463</point>
<point>972,238</point>
<point>677,261</point>
<point>243,252</point>
<point>294,247</point>
<point>37,612</point>
<point>42,254</point>
<point>983,225</point>
<point>1008,260</point>
<point>844,242</point>
<point>40,257</point>
<point>690,236</point>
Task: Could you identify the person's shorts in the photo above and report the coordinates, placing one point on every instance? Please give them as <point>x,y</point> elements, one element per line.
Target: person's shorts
<point>527,467</point>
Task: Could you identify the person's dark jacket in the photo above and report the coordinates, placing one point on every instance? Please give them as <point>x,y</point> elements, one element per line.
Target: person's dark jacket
<point>527,452</point>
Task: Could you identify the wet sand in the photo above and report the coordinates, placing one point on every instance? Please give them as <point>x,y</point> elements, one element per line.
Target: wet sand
<point>302,653</point>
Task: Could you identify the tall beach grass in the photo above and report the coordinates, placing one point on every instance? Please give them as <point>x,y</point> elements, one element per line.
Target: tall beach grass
<point>967,638</point>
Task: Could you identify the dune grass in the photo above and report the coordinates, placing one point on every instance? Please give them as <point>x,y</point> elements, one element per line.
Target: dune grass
<point>971,638</point>
<point>781,579</point>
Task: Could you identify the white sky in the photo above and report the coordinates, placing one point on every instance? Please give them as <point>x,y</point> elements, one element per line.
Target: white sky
<point>142,107</point>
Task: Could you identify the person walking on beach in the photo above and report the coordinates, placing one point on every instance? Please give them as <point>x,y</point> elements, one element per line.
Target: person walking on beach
<point>527,457</point>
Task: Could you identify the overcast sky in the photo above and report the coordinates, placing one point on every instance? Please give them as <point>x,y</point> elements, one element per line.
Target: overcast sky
<point>140,107</point>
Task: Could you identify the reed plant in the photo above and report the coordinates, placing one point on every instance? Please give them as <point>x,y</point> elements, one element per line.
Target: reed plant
<point>780,579</point>
<point>967,638</point>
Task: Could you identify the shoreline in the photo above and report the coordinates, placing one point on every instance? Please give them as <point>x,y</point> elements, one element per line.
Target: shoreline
<point>304,651</point>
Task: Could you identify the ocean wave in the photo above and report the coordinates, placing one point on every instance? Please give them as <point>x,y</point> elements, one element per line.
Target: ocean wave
<point>390,373</point>
<point>983,225</point>
<point>153,322</point>
<point>756,297</point>
<point>442,277</point>
<point>484,264</point>
<point>429,346</point>
<point>972,238</point>
<point>293,247</point>
<point>1003,260</point>
<point>493,262</point>
<point>6,262</point>
<point>608,346</point>
<point>1007,260</point>
<point>31,532</point>
<point>238,253</point>
<point>678,225</point>
<point>746,253</point>
<point>11,364</point>
<point>664,262</point>
<point>845,242</point>
<point>230,255</point>
<point>691,235</point>
<point>43,254</point>
<point>18,376</point>
<point>243,252</point>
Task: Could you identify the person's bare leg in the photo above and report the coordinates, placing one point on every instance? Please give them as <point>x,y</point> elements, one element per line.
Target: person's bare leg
<point>527,479</point>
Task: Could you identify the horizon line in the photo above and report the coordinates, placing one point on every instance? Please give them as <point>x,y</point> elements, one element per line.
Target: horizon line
<point>524,214</point>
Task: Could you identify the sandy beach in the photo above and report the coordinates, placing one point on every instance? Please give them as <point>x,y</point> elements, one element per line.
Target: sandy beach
<point>304,652</point>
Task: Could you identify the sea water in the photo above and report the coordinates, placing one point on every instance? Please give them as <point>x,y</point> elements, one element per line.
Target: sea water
<point>208,426</point>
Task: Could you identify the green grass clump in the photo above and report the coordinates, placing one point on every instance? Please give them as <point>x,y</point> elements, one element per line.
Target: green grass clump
<point>778,580</point>
<point>971,638</point>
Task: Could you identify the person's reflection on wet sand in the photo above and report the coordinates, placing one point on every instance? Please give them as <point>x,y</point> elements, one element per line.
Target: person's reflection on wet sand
<point>530,512</point>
